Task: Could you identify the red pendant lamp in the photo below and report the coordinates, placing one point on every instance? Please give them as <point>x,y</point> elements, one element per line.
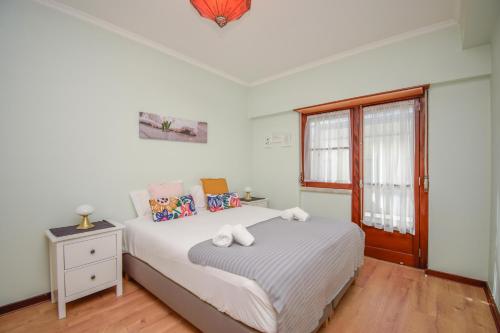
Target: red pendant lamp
<point>222,11</point>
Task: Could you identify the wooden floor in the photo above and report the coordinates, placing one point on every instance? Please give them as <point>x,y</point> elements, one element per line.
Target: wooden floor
<point>385,298</point>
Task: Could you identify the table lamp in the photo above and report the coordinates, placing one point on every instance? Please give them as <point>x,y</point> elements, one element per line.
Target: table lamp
<point>248,195</point>
<point>84,211</point>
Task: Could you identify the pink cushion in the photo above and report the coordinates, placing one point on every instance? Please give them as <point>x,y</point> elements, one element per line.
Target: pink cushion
<point>166,190</point>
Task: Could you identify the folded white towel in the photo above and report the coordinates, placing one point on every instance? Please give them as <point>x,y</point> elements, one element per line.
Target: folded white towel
<point>287,214</point>
<point>295,214</point>
<point>242,235</point>
<point>300,214</point>
<point>224,237</point>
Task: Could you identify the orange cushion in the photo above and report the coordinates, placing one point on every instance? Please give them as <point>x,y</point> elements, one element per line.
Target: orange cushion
<point>214,185</point>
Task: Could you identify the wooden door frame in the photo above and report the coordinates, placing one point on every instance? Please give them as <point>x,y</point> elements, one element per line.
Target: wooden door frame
<point>423,212</point>
<point>420,240</point>
<point>420,243</point>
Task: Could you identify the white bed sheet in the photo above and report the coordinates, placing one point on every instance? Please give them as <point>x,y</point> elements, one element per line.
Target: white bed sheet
<point>165,246</point>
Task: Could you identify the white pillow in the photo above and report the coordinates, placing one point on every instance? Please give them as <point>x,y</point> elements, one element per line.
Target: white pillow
<point>166,189</point>
<point>198,197</point>
<point>140,199</point>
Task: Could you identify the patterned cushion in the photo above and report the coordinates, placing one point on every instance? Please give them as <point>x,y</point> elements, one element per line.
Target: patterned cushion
<point>164,209</point>
<point>218,202</point>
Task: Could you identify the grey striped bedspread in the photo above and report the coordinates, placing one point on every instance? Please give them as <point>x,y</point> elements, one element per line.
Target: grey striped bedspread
<point>300,265</point>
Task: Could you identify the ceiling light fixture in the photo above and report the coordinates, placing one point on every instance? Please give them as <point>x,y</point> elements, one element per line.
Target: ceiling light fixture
<point>222,11</point>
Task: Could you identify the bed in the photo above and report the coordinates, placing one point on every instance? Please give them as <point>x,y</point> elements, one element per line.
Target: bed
<point>211,299</point>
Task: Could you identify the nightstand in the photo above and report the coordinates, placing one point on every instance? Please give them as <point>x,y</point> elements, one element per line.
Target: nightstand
<point>261,202</point>
<point>83,262</point>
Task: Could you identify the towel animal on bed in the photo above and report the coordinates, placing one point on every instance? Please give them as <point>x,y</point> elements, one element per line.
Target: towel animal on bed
<point>295,213</point>
<point>238,233</point>
<point>229,233</point>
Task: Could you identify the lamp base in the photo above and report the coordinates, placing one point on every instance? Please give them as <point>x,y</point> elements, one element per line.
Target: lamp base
<point>248,196</point>
<point>85,224</point>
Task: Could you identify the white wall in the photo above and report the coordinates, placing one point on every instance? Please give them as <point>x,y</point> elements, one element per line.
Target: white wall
<point>69,100</point>
<point>494,274</point>
<point>459,215</point>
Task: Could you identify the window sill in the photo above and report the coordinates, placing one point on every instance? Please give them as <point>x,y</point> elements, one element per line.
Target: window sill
<point>325,190</point>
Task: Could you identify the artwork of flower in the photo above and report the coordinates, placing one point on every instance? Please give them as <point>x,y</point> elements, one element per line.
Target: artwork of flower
<point>154,126</point>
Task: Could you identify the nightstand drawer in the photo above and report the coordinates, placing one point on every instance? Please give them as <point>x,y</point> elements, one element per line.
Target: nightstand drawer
<point>88,251</point>
<point>89,277</point>
<point>260,202</point>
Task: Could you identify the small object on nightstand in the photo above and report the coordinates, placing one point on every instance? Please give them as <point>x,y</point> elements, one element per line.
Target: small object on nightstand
<point>84,211</point>
<point>84,261</point>
<point>248,193</point>
<point>254,201</point>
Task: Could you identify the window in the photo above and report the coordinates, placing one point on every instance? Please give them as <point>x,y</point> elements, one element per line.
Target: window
<point>389,155</point>
<point>327,155</point>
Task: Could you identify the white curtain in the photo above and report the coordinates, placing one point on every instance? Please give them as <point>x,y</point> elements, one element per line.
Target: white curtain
<point>326,147</point>
<point>389,162</point>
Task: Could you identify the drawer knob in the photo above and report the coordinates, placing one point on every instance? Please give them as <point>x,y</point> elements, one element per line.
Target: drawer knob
<point>92,251</point>
<point>92,277</point>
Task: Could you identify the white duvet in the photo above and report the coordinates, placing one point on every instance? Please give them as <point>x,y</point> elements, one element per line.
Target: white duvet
<point>165,246</point>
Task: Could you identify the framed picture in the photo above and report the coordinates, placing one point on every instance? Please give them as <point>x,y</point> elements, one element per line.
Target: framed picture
<point>154,126</point>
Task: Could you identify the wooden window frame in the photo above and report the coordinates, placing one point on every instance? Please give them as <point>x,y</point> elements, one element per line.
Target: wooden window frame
<point>356,105</point>
<point>331,185</point>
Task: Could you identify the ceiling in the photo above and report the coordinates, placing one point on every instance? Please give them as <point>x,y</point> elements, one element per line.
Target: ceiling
<point>275,36</point>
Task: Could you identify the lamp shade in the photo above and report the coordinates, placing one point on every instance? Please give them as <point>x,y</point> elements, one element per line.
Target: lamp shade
<point>221,11</point>
<point>248,189</point>
<point>84,210</point>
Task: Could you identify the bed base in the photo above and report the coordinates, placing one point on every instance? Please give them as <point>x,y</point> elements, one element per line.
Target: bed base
<point>199,313</point>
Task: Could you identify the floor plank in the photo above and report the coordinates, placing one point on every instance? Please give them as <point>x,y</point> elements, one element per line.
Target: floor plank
<point>385,298</point>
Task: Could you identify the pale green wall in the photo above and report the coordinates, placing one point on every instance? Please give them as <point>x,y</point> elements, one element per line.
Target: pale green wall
<point>69,99</point>
<point>275,170</point>
<point>460,177</point>
<point>336,206</point>
<point>431,58</point>
<point>494,276</point>
<point>459,217</point>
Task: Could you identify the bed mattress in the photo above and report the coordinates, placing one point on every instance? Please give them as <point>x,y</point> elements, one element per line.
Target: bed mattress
<point>165,247</point>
